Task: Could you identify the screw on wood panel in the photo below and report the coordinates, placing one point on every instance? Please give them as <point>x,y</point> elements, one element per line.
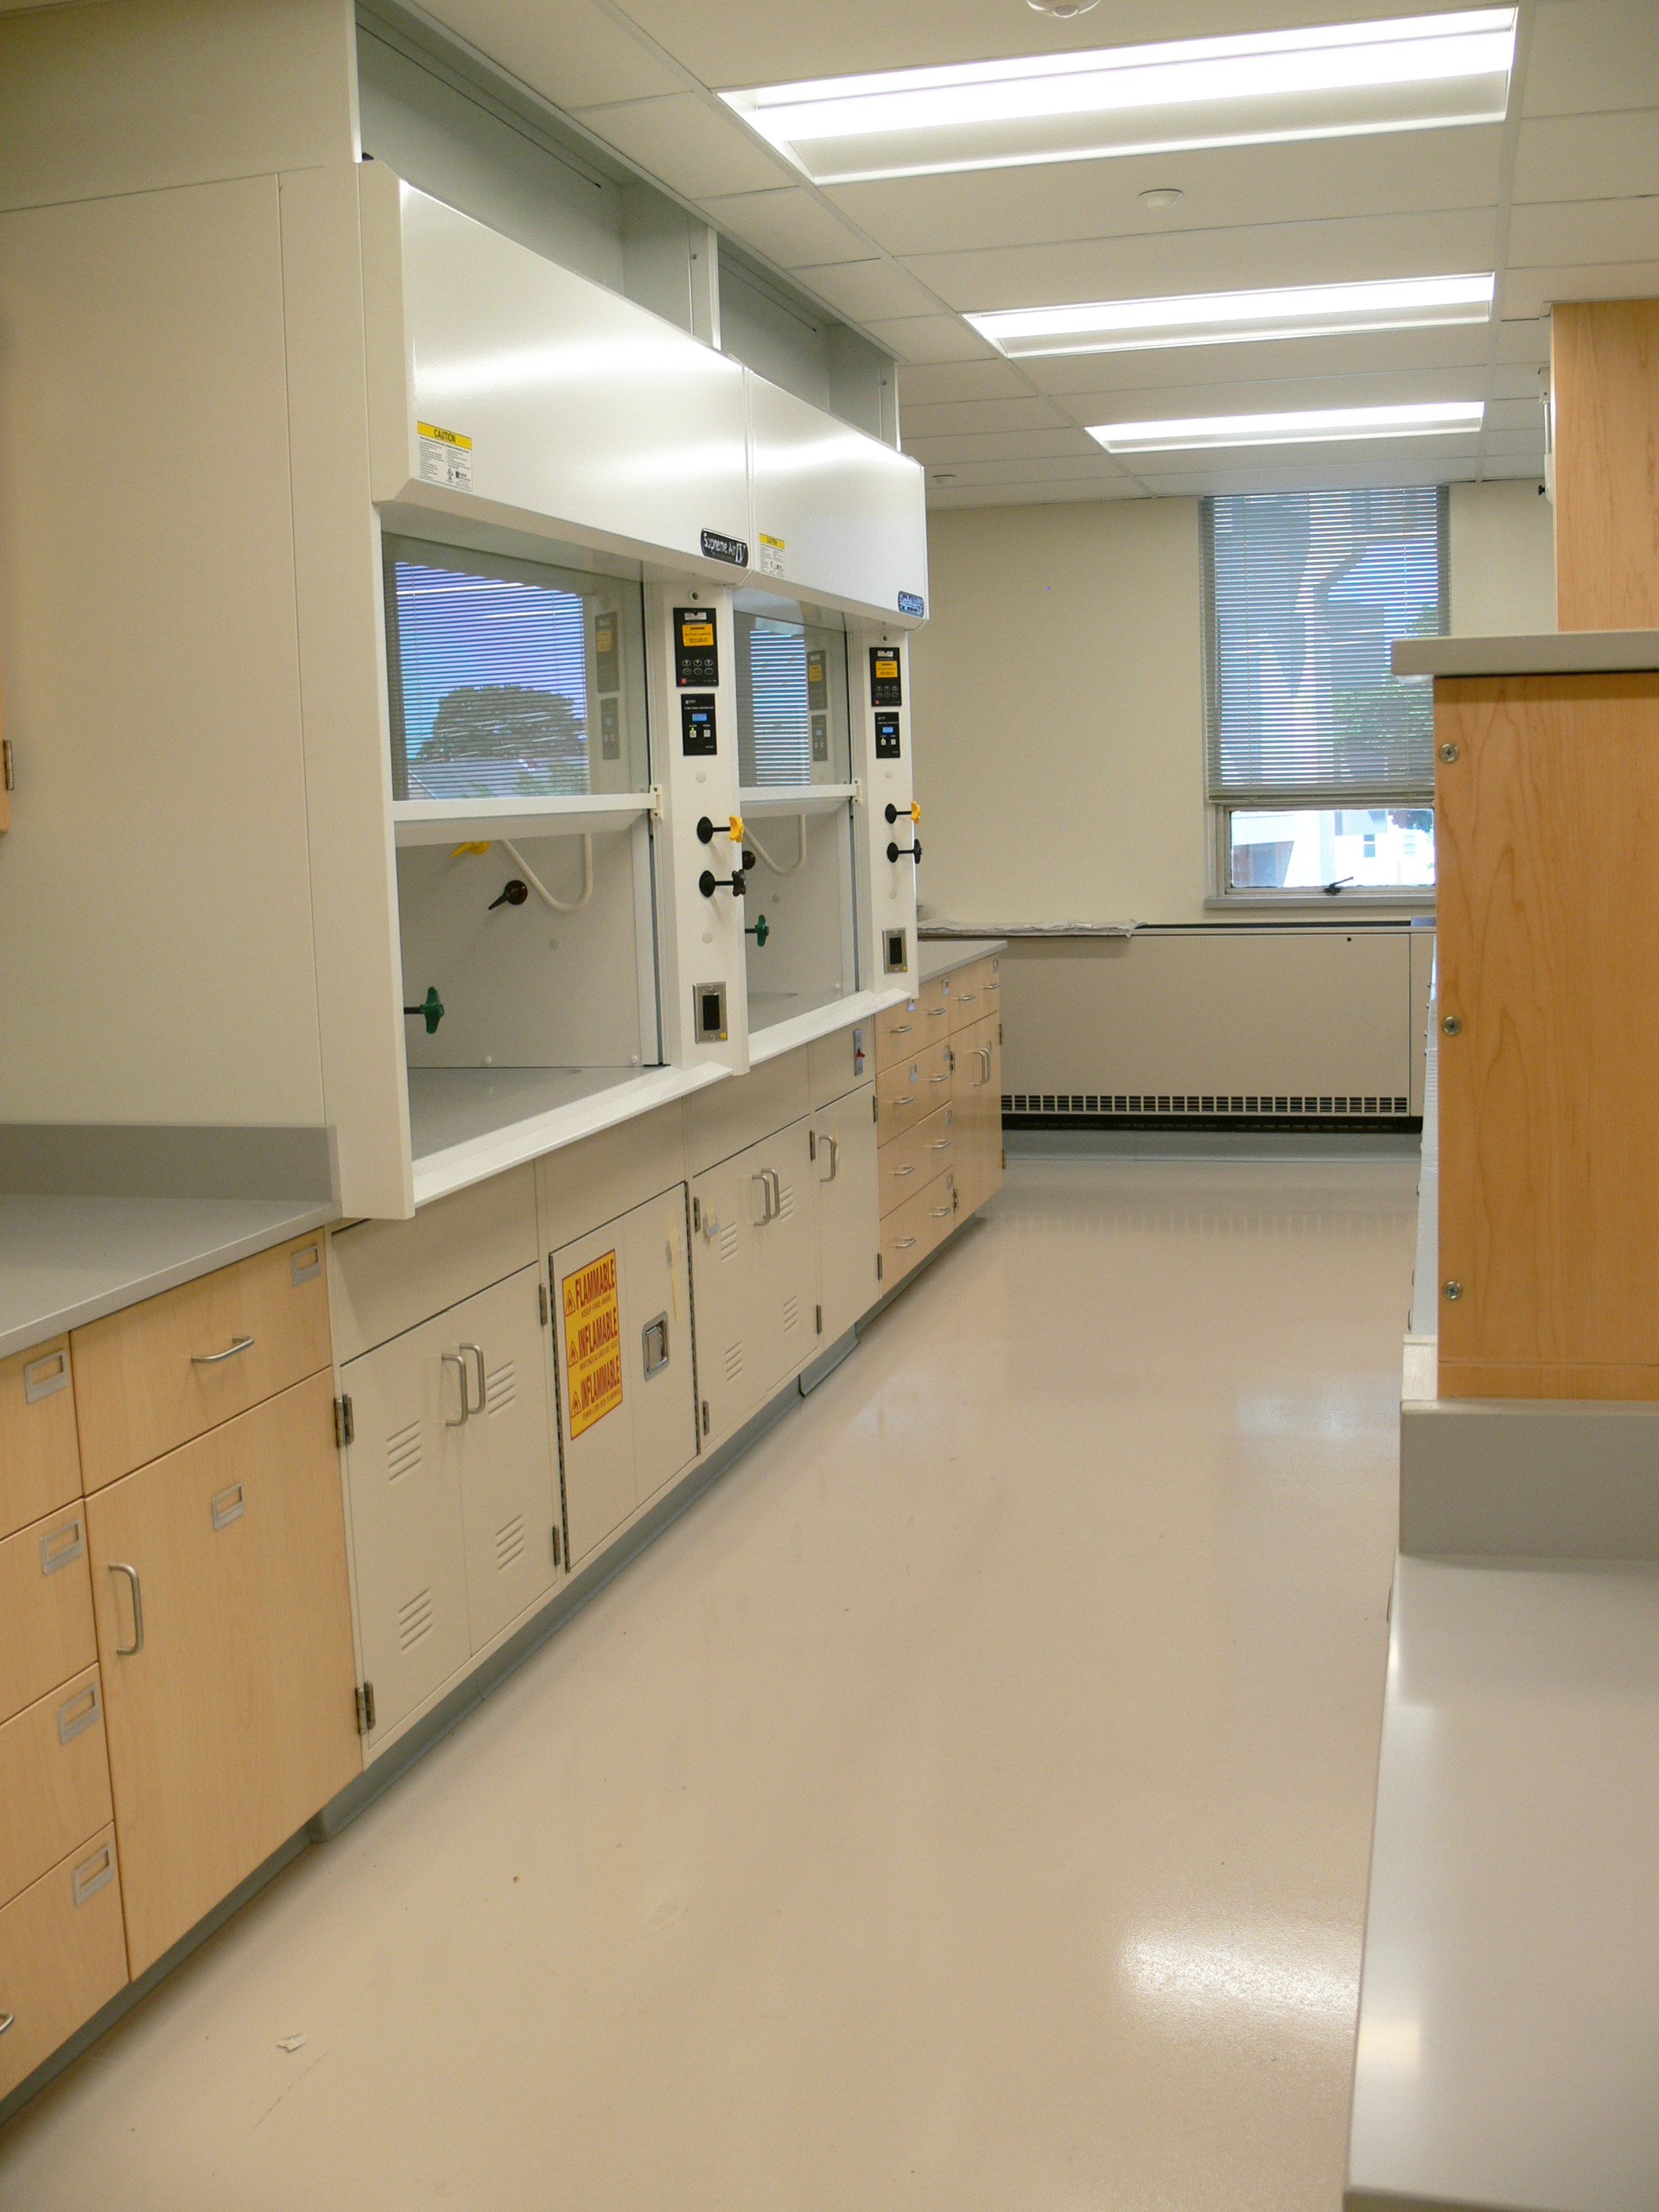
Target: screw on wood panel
<point>1449,754</point>
<point>1452,1292</point>
<point>1452,1025</point>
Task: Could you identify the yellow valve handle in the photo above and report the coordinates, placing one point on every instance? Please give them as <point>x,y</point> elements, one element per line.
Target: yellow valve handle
<point>460,849</point>
<point>915,812</point>
<point>737,828</point>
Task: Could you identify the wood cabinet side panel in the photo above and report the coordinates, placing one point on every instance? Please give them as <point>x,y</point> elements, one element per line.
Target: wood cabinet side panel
<point>1605,400</point>
<point>39,1456</point>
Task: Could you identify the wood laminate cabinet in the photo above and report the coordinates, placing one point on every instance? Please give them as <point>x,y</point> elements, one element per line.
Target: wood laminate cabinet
<point>225,1641</point>
<point>939,1100</point>
<point>62,1955</point>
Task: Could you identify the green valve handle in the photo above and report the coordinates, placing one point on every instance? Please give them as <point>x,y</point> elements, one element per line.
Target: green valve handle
<point>430,1009</point>
<point>761,931</point>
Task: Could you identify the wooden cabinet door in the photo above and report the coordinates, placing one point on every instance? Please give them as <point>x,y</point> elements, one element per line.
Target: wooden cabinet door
<point>225,1639</point>
<point>731,1203</point>
<point>403,1471</point>
<point>507,1498</point>
<point>788,1249</point>
<point>658,1347</point>
<point>849,1229</point>
<point>979,1101</point>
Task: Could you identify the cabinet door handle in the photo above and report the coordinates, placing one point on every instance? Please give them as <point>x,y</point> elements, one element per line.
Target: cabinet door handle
<point>453,1359</point>
<point>759,1176</point>
<point>132,1651</point>
<point>653,1345</point>
<point>777,1193</point>
<point>218,1358</point>
<point>476,1356</point>
<point>834,1144</point>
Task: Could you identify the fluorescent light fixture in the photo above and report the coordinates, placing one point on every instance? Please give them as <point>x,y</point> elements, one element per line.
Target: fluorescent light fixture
<point>1320,426</point>
<point>1341,80</point>
<point>1237,318</point>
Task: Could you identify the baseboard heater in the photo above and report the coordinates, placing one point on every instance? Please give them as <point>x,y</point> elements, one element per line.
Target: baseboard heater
<point>1102,1109</point>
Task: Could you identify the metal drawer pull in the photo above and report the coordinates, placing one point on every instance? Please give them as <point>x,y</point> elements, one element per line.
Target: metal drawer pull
<point>945,1078</point>
<point>60,1545</point>
<point>653,1344</point>
<point>90,1878</point>
<point>903,1244</point>
<point>7,2020</point>
<point>834,1144</point>
<point>899,1029</point>
<point>306,1265</point>
<point>898,1174</point>
<point>453,1359</point>
<point>218,1358</point>
<point>939,1213</point>
<point>43,1378</point>
<point>77,1713</point>
<point>476,1356</point>
<point>132,1651</point>
<point>909,1099</point>
<point>938,1013</point>
<point>967,998</point>
<point>939,1144</point>
<point>229,1505</point>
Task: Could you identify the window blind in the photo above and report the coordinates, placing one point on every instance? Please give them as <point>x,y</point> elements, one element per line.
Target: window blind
<point>1306,592</point>
<point>777,703</point>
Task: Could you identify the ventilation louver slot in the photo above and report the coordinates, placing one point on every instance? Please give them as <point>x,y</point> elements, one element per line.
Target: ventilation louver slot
<point>403,1452</point>
<point>786,1201</point>
<point>1288,1107</point>
<point>415,1618</point>
<point>734,1362</point>
<point>500,1389</point>
<point>728,1243</point>
<point>792,1314</point>
<point>510,1545</point>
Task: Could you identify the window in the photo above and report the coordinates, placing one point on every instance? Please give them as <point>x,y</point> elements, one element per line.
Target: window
<point>1319,764</point>
<point>792,702</point>
<point>510,679</point>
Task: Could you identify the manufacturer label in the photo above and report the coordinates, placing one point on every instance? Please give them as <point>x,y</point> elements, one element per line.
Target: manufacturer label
<point>446,457</point>
<point>592,1343</point>
<point>718,547</point>
<point>911,602</point>
<point>771,556</point>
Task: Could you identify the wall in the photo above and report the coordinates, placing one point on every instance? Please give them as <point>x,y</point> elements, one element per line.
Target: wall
<point>1059,718</point>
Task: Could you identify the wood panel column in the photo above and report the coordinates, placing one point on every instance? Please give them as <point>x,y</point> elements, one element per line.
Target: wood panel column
<point>1605,409</point>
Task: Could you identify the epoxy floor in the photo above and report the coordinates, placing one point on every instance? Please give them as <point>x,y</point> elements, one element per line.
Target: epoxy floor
<point>965,1806</point>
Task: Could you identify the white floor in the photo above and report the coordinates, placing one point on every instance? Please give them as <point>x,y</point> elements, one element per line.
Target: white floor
<point>964,1806</point>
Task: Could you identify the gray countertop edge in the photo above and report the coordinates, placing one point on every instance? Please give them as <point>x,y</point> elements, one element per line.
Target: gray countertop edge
<point>128,1283</point>
<point>938,956</point>
<point>1546,652</point>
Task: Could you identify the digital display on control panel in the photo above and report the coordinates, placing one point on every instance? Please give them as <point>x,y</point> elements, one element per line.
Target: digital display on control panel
<point>697,733</point>
<point>817,681</point>
<point>885,688</point>
<point>607,664</point>
<point>886,737</point>
<point>696,653</point>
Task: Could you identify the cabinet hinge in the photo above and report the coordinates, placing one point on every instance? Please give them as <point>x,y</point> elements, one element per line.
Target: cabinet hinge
<point>877,1265</point>
<point>555,1544</point>
<point>8,764</point>
<point>542,1307</point>
<point>999,1032</point>
<point>812,1144</point>
<point>344,1423</point>
<point>705,1416</point>
<point>876,1110</point>
<point>819,1311</point>
<point>366,1709</point>
<point>696,1213</point>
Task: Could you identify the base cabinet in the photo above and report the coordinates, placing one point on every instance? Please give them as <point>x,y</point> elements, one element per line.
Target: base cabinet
<point>979,1112</point>
<point>844,1152</point>
<point>627,1390</point>
<point>224,1645</point>
<point>450,1475</point>
<point>62,1955</point>
<point>755,1269</point>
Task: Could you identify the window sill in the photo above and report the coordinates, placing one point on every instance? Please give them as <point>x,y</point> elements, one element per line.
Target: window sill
<point>1404,907</point>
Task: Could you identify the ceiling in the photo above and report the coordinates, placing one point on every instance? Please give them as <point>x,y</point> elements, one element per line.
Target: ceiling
<point>1561,199</point>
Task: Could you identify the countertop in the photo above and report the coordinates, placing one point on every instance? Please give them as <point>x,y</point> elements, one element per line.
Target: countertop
<point>1545,653</point>
<point>67,1261</point>
<point>938,956</point>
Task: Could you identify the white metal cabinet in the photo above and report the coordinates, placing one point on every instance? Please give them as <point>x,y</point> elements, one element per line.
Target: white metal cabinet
<point>849,1230</point>
<point>756,1271</point>
<point>788,1246</point>
<point>627,1400</point>
<point>451,1460</point>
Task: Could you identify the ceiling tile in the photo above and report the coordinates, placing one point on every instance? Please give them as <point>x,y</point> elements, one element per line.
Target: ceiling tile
<point>789,226</point>
<point>964,417</point>
<point>1004,445</point>
<point>1317,476</point>
<point>1373,353</point>
<point>1518,444</point>
<point>960,380</point>
<point>1175,401</point>
<point>688,145</point>
<point>1587,156</point>
<point>1031,494</point>
<point>1206,261</point>
<point>1095,469</point>
<point>1531,291</point>
<point>1525,413</point>
<point>573,57</point>
<point>1498,469</point>
<point>1591,55</point>
<point>1523,336</point>
<point>868,289</point>
<point>1398,461</point>
<point>1584,229</point>
<point>930,338</point>
<point>1225,188</point>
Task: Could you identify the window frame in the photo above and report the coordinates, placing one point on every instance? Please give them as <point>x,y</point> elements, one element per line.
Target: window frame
<point>1220,894</point>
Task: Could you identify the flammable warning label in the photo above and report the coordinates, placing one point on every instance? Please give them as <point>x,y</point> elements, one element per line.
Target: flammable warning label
<point>592,1343</point>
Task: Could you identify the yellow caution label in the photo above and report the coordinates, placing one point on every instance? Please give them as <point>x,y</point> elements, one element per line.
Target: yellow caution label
<point>887,670</point>
<point>444,437</point>
<point>696,633</point>
<point>593,1342</point>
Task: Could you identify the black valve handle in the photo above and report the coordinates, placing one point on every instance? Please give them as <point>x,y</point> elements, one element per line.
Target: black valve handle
<point>912,851</point>
<point>513,893</point>
<point>708,883</point>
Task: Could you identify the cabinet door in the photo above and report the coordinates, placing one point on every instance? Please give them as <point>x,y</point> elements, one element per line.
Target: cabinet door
<point>506,1454</point>
<point>788,1248</point>
<point>658,1347</point>
<point>979,1166</point>
<point>403,1469</point>
<point>224,1639</point>
<point>731,1203</point>
<point>591,1321</point>
<point>850,1230</point>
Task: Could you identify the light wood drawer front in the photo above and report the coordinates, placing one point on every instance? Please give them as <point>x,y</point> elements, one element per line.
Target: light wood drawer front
<point>55,1781</point>
<point>40,1461</point>
<point>898,1034</point>
<point>908,1093</point>
<point>62,1955</point>
<point>46,1608</point>
<point>150,1378</point>
<point>225,1634</point>
<point>969,994</point>
<point>911,1162</point>
<point>917,1228</point>
<point>935,1010</point>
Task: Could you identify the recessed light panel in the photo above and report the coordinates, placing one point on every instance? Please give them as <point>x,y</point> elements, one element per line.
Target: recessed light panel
<point>1323,426</point>
<point>1341,80</point>
<point>1234,318</point>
